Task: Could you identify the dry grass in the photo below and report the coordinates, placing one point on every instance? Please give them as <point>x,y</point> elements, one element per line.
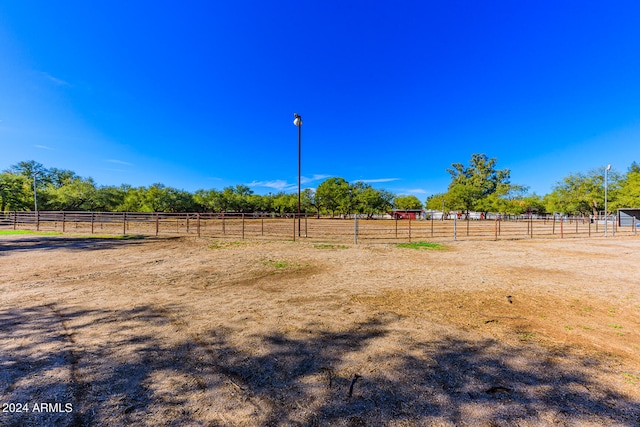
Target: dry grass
<point>191,331</point>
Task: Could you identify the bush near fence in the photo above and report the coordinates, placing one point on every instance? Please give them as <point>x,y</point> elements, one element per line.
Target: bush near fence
<point>270,226</point>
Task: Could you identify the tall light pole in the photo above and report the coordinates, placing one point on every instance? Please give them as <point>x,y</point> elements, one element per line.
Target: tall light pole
<point>35,194</point>
<point>297,120</point>
<point>606,188</point>
<point>35,201</point>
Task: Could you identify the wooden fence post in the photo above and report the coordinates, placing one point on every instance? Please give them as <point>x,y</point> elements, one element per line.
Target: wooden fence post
<point>355,229</point>
<point>432,224</point>
<point>198,223</point>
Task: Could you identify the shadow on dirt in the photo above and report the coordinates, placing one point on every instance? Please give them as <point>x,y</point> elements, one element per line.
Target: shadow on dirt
<point>124,368</point>
<point>29,243</point>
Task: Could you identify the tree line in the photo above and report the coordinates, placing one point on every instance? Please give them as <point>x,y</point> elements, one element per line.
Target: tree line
<point>481,187</point>
<point>478,186</point>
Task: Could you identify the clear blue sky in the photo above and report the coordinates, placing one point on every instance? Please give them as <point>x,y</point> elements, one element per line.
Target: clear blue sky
<point>201,94</point>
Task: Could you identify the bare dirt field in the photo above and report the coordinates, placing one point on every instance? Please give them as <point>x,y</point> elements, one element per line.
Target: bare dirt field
<point>201,332</point>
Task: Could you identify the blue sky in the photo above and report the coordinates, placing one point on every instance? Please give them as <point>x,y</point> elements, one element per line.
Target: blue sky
<point>201,94</point>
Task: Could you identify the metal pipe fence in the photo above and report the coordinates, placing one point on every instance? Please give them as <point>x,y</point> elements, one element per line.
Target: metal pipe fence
<point>269,226</point>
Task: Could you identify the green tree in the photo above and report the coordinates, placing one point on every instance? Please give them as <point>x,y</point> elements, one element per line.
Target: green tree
<point>507,199</point>
<point>236,199</point>
<point>110,198</point>
<point>407,202</point>
<point>60,177</point>
<point>372,201</point>
<point>210,200</point>
<point>32,171</point>
<point>470,184</point>
<point>436,202</point>
<point>285,203</point>
<point>134,200</point>
<point>331,194</point>
<point>582,193</point>
<point>15,193</point>
<point>309,202</point>
<point>628,192</point>
<point>29,168</point>
<point>74,193</point>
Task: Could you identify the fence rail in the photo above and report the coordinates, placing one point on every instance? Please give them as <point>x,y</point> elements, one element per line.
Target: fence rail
<point>276,227</point>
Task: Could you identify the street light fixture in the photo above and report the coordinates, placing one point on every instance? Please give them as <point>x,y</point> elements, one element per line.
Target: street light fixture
<point>297,120</point>
<point>606,188</point>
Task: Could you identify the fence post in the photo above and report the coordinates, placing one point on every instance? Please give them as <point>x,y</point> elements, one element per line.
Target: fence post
<point>561,227</point>
<point>531,225</point>
<point>157,223</point>
<point>92,221</point>
<point>409,228</point>
<point>187,223</point>
<point>262,226</point>
<point>455,219</point>
<point>431,224</point>
<point>468,222</point>
<point>15,219</point>
<point>496,228</point>
<point>355,229</point>
<point>198,223</point>
<point>294,228</point>
<point>243,226</point>
<point>305,225</point>
<point>37,220</point>
<point>576,219</point>
<point>614,225</point>
<point>223,229</point>
<point>553,229</point>
<point>396,226</point>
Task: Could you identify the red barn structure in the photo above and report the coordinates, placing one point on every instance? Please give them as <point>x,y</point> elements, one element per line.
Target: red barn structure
<point>407,214</point>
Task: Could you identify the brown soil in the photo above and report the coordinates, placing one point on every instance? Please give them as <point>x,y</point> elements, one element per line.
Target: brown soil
<point>189,331</point>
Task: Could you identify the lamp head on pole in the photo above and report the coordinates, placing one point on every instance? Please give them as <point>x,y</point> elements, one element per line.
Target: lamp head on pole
<point>297,119</point>
<point>608,167</point>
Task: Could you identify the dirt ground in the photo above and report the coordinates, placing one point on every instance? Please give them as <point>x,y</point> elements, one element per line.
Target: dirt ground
<point>201,332</point>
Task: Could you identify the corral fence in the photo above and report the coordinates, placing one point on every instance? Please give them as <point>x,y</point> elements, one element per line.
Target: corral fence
<point>352,229</point>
